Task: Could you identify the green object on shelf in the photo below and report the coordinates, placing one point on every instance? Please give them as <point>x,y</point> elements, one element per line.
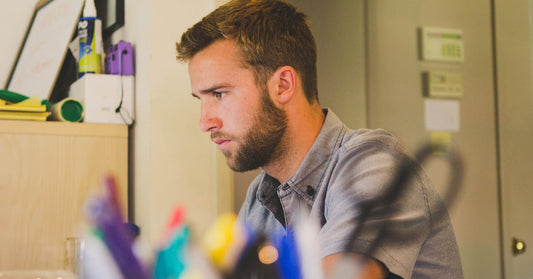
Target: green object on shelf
<point>12,97</point>
<point>68,109</point>
<point>72,111</point>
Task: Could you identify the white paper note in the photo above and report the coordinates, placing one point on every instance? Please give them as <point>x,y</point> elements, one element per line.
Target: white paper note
<point>442,115</point>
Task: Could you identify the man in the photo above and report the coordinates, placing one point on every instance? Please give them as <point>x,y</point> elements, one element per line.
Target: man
<point>252,65</point>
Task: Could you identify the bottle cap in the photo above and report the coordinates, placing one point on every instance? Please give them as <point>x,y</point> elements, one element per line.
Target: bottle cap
<point>90,9</point>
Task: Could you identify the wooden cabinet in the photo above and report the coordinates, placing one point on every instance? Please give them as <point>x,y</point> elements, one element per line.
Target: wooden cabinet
<point>47,171</point>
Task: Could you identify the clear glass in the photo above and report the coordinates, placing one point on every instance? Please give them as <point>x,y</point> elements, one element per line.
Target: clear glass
<point>73,255</point>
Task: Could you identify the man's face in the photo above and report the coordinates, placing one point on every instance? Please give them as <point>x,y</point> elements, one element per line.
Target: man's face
<point>242,119</point>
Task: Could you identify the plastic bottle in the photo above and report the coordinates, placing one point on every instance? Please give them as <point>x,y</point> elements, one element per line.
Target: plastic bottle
<point>90,38</point>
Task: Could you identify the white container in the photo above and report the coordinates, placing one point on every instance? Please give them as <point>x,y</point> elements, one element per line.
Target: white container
<point>105,98</point>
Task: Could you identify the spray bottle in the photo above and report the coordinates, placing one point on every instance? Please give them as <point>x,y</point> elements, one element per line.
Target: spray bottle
<point>91,44</point>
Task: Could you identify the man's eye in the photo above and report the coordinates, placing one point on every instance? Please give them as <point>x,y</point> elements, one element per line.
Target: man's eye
<point>219,95</point>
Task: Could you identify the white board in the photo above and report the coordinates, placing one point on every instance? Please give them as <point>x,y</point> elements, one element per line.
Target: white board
<point>44,48</point>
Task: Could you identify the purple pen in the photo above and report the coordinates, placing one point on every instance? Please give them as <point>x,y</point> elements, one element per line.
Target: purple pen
<point>108,218</point>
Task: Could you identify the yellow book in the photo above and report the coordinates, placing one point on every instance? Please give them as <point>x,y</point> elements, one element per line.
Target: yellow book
<point>24,115</point>
<point>30,104</point>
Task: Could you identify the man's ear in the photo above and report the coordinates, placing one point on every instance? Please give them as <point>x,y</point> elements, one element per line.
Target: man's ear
<point>284,83</point>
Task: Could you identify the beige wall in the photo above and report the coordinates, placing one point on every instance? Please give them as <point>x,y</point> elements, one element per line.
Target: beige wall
<point>338,28</point>
<point>15,17</point>
<point>173,162</point>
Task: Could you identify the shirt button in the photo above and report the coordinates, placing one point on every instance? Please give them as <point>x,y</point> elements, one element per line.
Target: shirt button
<point>310,191</point>
<point>285,187</point>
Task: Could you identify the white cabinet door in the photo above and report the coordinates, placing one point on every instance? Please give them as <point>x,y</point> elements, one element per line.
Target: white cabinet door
<point>514,48</point>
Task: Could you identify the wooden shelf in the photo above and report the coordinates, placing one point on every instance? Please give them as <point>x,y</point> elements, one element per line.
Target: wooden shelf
<point>62,128</point>
<point>48,171</point>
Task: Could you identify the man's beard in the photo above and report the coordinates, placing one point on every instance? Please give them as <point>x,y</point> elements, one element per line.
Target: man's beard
<point>261,143</point>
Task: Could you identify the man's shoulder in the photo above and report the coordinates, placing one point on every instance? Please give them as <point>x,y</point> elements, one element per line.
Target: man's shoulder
<point>336,135</point>
<point>374,138</point>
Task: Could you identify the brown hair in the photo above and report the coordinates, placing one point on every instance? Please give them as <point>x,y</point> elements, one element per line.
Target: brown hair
<point>269,33</point>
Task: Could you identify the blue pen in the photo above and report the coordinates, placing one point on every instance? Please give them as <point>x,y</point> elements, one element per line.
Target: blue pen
<point>171,260</point>
<point>289,259</point>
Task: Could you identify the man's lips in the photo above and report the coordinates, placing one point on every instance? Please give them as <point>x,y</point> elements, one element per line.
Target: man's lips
<point>220,142</point>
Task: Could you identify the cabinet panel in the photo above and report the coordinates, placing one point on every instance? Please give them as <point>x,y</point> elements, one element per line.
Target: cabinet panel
<point>47,171</point>
<point>514,54</point>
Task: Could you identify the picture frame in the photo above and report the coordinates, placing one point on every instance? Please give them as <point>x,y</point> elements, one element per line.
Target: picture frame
<point>44,47</point>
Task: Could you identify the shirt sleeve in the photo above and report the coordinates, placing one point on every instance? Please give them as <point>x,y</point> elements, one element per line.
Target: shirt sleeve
<point>362,173</point>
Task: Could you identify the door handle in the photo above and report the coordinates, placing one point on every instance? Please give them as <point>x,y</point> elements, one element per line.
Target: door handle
<point>519,246</point>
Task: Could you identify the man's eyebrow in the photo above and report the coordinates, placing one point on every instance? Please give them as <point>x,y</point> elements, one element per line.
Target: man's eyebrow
<point>210,90</point>
<point>214,88</point>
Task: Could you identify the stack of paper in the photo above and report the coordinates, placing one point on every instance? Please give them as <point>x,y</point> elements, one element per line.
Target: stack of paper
<point>29,109</point>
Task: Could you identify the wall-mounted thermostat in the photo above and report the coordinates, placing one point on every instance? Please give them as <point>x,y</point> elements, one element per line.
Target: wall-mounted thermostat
<point>443,84</point>
<point>442,44</point>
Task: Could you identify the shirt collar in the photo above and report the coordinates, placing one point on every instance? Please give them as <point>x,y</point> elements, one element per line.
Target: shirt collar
<point>309,175</point>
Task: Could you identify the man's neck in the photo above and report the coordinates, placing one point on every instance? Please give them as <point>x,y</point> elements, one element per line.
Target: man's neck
<point>302,130</point>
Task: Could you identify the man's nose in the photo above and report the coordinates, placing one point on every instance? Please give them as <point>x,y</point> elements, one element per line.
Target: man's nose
<point>209,122</point>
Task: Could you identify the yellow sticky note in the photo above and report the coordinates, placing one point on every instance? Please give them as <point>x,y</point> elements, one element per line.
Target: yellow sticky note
<point>32,104</point>
<point>441,141</point>
<point>33,101</point>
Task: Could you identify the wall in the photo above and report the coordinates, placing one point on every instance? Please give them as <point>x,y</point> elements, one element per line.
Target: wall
<point>396,103</point>
<point>338,28</point>
<point>172,161</point>
<point>15,18</point>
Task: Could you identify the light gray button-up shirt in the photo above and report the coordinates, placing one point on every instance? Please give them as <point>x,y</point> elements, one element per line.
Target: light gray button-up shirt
<point>345,168</point>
